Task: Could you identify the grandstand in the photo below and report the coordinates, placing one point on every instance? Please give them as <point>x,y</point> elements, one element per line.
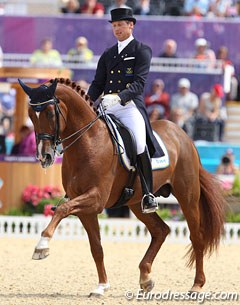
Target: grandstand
<point>24,23</point>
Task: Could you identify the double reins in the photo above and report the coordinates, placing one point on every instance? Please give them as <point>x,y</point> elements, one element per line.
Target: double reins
<point>55,138</point>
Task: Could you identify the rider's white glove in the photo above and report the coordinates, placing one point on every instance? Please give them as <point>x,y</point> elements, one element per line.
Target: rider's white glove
<point>110,100</point>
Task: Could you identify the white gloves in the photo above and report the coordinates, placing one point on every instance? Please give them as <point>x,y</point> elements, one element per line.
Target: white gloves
<point>110,100</point>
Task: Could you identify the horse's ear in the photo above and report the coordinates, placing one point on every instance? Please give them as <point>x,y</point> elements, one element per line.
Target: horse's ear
<point>53,87</point>
<point>27,90</point>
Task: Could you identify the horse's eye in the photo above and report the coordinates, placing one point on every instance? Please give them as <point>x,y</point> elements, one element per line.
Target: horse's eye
<point>50,114</point>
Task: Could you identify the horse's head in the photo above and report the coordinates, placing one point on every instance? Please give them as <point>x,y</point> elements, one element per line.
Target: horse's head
<point>44,111</point>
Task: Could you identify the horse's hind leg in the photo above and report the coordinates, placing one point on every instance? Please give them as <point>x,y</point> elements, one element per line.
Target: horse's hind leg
<point>158,230</point>
<point>197,251</point>
<point>191,211</point>
<point>91,225</point>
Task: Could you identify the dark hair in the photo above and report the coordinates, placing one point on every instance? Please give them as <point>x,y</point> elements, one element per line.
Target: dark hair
<point>226,160</point>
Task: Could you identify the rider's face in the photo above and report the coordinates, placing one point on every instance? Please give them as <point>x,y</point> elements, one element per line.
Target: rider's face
<point>122,29</point>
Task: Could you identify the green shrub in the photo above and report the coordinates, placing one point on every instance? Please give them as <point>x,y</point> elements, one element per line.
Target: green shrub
<point>232,217</point>
<point>236,185</point>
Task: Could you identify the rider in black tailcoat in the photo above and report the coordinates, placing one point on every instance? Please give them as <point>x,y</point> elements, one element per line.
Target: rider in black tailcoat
<point>120,76</point>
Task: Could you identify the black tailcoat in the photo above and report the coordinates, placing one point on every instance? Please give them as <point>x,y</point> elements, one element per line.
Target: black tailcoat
<point>125,74</point>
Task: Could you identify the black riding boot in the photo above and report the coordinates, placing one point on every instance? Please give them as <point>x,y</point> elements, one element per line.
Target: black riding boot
<point>149,204</point>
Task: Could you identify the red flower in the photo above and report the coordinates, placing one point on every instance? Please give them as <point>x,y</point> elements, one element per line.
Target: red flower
<point>47,210</point>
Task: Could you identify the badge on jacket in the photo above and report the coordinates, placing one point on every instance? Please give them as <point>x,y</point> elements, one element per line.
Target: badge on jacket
<point>129,72</point>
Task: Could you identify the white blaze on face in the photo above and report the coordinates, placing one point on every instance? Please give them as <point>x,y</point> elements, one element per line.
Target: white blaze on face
<point>40,145</point>
<point>39,150</point>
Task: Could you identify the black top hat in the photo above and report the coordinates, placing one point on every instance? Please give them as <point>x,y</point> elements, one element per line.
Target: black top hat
<point>119,14</point>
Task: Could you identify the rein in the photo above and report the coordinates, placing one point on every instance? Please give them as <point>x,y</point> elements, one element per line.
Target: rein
<point>56,138</point>
<point>82,131</point>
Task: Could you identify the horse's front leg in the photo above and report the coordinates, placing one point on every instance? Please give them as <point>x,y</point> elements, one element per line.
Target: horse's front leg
<point>90,223</point>
<point>42,249</point>
<point>87,203</point>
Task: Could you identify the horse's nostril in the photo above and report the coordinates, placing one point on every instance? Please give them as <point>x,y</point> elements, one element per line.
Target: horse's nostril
<point>48,158</point>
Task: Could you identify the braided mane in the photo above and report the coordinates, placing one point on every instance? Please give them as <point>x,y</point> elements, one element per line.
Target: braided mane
<point>76,88</point>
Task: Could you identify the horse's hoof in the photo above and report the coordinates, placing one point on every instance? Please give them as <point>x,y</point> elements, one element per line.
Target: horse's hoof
<point>95,295</point>
<point>99,291</point>
<point>194,290</point>
<point>147,286</point>
<point>40,253</point>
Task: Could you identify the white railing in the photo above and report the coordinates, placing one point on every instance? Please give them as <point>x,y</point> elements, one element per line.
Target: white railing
<point>174,65</point>
<point>113,229</point>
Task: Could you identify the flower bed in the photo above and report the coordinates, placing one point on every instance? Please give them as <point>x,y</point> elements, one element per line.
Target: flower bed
<point>40,199</point>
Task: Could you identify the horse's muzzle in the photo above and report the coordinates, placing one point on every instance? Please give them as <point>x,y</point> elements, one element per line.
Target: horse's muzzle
<point>47,160</point>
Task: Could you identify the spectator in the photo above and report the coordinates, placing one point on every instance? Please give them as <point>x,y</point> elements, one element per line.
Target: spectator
<point>196,7</point>
<point>6,135</point>
<point>218,8</point>
<point>8,100</point>
<point>144,8</point>
<point>27,143</point>
<point>81,52</point>
<point>169,49</point>
<point>183,105</point>
<point>46,56</point>
<point>203,52</point>
<point>118,4</point>
<point>174,7</point>
<point>227,166</point>
<point>230,80</point>
<point>92,7</point>
<point>211,110</point>
<point>71,7</point>
<point>157,102</point>
<point>233,8</point>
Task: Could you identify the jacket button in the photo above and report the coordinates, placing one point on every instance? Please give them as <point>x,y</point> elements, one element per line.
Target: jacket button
<point>112,72</point>
<point>118,91</point>
<point>110,91</point>
<point>128,85</point>
<point>119,71</point>
<point>119,81</point>
<point>110,81</point>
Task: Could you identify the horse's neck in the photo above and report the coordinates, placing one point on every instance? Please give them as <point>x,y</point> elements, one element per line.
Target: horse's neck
<point>82,121</point>
<point>79,111</point>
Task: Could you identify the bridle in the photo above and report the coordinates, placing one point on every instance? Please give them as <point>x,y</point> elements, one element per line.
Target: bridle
<point>55,138</point>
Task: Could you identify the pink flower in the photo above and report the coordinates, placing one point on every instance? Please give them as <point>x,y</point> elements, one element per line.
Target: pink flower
<point>226,185</point>
<point>39,197</point>
<point>47,210</point>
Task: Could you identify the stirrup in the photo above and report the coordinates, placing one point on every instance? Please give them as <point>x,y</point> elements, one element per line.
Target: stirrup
<point>149,209</point>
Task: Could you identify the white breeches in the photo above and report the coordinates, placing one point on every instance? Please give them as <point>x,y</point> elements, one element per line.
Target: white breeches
<point>131,117</point>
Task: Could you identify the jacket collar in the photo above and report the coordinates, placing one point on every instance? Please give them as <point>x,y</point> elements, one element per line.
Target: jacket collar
<point>116,58</point>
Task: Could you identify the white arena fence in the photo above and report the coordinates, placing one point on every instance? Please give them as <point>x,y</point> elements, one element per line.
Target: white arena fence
<point>114,229</point>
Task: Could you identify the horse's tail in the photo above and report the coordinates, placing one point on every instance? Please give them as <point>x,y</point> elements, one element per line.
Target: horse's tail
<point>211,213</point>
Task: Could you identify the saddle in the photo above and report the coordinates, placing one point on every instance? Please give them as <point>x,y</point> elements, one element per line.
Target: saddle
<point>129,141</point>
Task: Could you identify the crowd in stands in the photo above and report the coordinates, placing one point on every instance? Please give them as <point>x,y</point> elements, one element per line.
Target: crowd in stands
<point>196,8</point>
<point>184,107</point>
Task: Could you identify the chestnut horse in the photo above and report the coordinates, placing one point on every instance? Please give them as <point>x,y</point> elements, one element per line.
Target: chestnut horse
<point>93,178</point>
